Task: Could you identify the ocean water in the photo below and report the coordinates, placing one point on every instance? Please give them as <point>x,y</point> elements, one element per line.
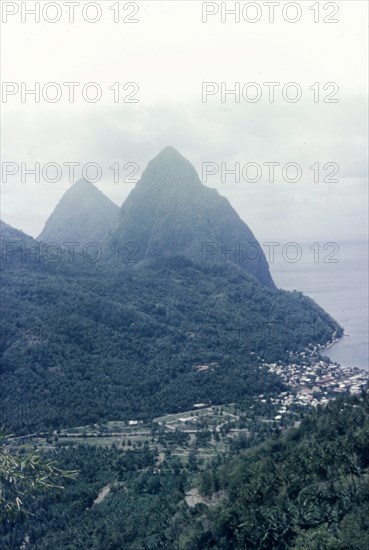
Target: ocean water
<point>340,287</point>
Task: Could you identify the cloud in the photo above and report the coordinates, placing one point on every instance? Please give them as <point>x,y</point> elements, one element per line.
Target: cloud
<point>170,53</point>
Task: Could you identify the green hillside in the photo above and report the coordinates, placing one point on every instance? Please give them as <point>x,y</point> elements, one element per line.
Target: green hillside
<point>84,345</point>
<point>306,490</point>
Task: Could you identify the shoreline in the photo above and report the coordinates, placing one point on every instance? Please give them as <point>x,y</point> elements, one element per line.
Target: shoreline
<point>347,363</point>
<point>331,343</point>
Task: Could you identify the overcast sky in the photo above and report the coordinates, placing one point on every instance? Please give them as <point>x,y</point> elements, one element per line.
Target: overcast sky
<point>169,53</point>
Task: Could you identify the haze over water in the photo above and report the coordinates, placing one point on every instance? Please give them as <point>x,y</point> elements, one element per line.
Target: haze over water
<point>341,288</point>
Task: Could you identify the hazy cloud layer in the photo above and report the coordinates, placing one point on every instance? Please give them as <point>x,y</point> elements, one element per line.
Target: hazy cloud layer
<point>170,53</point>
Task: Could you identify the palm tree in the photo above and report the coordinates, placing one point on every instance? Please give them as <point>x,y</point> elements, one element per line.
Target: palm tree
<point>22,474</point>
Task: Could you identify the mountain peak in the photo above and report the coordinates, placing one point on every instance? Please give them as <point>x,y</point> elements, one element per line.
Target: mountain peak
<point>169,172</point>
<point>169,150</point>
<point>82,183</point>
<point>84,187</point>
<point>169,153</point>
<point>84,214</point>
<point>170,212</point>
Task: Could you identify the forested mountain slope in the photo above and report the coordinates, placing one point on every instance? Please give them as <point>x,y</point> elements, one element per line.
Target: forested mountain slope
<point>84,344</point>
<point>306,490</point>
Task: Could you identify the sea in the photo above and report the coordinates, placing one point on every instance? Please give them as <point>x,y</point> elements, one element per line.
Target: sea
<point>336,277</point>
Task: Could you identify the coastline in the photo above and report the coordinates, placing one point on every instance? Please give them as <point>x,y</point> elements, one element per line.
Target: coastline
<point>341,289</point>
<point>331,343</point>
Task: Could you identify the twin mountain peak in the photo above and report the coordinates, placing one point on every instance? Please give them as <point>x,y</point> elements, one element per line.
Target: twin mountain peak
<point>169,212</point>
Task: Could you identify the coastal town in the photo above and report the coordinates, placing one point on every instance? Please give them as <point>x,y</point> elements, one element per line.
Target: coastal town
<point>314,380</point>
